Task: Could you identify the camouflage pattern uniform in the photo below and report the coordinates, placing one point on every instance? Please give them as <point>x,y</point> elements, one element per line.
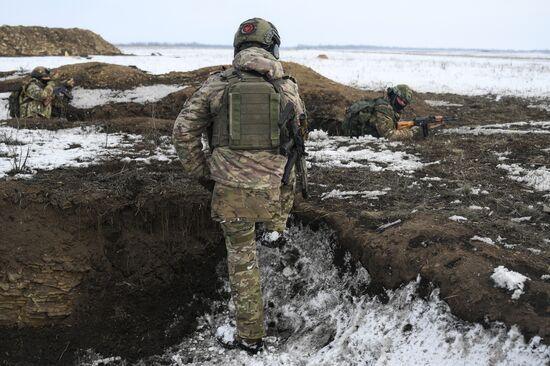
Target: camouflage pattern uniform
<point>248,182</point>
<point>379,117</point>
<point>35,99</point>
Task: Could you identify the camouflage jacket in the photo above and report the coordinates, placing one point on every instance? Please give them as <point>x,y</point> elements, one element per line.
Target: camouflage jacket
<point>379,120</point>
<point>235,168</point>
<point>35,99</point>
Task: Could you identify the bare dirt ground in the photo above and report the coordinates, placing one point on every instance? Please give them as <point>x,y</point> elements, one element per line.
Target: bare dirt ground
<point>139,240</point>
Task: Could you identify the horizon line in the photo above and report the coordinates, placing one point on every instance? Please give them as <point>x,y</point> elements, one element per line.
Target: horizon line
<point>329,46</point>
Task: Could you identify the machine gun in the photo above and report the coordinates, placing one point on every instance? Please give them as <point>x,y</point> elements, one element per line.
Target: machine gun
<point>294,149</point>
<point>425,123</point>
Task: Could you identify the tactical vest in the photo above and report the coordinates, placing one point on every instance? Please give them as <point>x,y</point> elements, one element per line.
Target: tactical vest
<point>356,122</point>
<point>249,116</point>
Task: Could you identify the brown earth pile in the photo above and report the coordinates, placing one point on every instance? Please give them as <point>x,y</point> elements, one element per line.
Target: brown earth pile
<point>43,41</point>
<point>325,99</point>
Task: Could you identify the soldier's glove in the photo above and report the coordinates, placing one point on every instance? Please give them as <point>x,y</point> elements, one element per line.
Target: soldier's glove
<point>207,183</point>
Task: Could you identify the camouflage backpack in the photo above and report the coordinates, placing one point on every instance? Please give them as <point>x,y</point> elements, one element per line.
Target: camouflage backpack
<point>357,116</point>
<point>13,102</point>
<point>248,119</point>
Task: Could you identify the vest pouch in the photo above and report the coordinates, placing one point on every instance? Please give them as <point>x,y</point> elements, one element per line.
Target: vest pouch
<point>253,115</point>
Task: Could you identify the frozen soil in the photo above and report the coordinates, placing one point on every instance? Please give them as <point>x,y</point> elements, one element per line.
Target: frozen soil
<point>141,238</point>
<point>145,242</point>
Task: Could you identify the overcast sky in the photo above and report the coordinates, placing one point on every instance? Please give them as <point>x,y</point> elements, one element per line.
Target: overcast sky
<point>486,24</point>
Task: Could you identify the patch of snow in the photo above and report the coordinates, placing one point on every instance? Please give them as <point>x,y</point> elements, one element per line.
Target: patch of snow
<point>107,361</point>
<point>458,218</point>
<point>435,179</point>
<point>545,277</point>
<point>363,152</point>
<point>520,219</point>
<point>271,236</point>
<point>477,208</point>
<point>335,193</point>
<point>441,103</point>
<point>509,280</point>
<point>4,106</point>
<point>456,201</point>
<point>317,135</point>
<point>73,147</point>
<point>225,332</point>
<point>534,250</point>
<point>518,128</point>
<point>482,239</point>
<point>543,106</point>
<point>89,98</point>
<point>539,179</point>
<point>11,77</point>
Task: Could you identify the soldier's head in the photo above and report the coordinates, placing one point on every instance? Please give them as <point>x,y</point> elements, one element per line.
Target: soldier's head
<point>400,96</point>
<point>41,73</point>
<point>257,32</point>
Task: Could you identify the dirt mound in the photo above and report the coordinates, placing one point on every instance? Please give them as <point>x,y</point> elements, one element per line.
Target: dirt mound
<point>43,41</point>
<point>325,99</point>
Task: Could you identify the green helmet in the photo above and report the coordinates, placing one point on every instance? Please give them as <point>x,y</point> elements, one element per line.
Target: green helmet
<point>256,31</point>
<point>41,73</point>
<point>400,96</point>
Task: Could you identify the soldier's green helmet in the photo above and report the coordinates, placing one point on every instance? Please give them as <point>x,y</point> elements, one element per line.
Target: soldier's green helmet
<point>257,32</point>
<point>400,96</point>
<point>41,73</point>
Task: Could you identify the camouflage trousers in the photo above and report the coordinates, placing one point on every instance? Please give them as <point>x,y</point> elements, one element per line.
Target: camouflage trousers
<point>238,210</point>
<point>35,109</point>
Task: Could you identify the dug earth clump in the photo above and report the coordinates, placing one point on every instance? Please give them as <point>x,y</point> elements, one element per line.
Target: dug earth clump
<point>43,41</point>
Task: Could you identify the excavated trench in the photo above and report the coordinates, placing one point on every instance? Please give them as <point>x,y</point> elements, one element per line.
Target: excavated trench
<point>123,260</point>
<point>123,267</point>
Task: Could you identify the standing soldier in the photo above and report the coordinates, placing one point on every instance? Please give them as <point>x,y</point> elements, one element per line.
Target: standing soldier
<point>35,99</point>
<point>379,117</point>
<point>239,110</point>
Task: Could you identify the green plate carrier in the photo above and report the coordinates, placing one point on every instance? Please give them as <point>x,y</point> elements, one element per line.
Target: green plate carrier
<point>249,118</point>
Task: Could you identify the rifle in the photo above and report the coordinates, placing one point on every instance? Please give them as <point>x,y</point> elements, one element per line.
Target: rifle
<point>425,123</point>
<point>64,89</point>
<point>294,149</point>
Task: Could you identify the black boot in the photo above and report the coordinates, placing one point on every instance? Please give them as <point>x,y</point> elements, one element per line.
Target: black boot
<point>251,346</point>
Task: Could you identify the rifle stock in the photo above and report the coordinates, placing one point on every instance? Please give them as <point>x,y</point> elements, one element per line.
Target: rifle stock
<point>425,122</point>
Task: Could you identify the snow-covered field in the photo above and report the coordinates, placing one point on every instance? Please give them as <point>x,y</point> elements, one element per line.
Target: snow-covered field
<point>461,72</point>
<point>320,320</point>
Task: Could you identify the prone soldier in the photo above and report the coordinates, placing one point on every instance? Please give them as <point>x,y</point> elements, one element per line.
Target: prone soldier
<point>379,117</point>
